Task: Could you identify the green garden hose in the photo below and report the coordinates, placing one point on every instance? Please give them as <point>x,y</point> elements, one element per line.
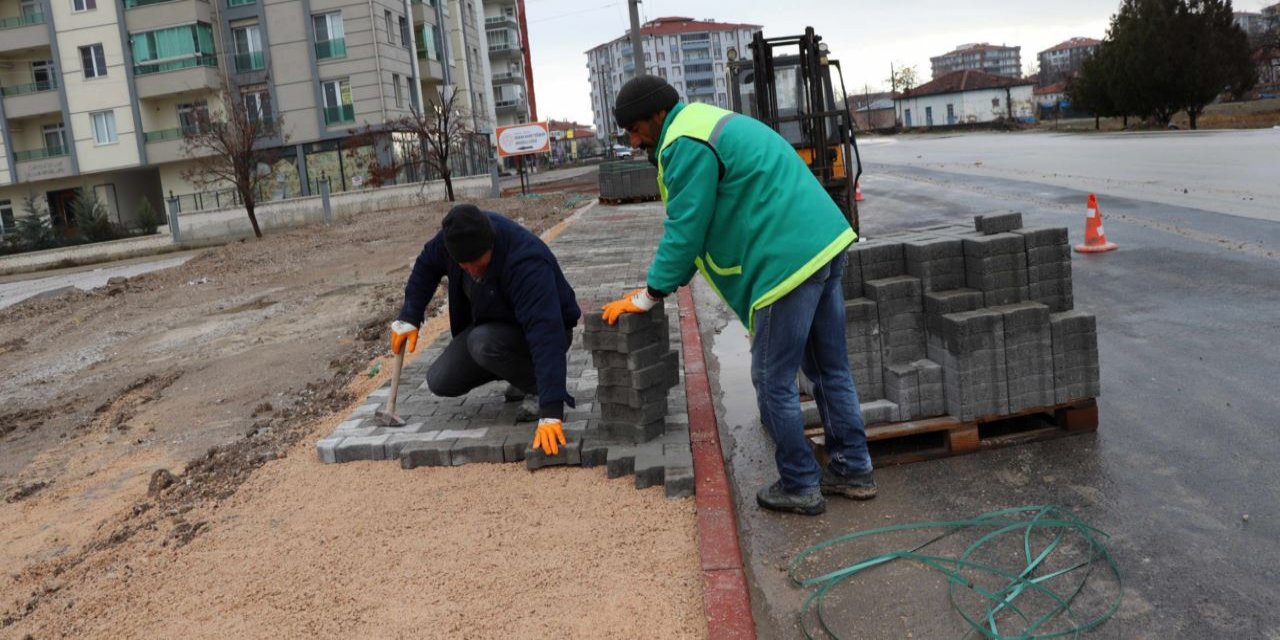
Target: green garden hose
<point>1001,603</point>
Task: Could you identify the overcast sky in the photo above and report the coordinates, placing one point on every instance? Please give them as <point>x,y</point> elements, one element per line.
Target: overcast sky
<point>865,35</point>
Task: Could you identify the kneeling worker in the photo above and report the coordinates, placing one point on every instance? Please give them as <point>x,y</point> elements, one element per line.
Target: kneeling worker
<point>511,314</point>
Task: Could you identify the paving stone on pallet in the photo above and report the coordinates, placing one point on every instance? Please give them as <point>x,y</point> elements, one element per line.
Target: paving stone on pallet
<point>1071,322</point>
<point>952,301</point>
<point>931,248</point>
<point>1049,271</point>
<point>427,454</point>
<point>851,278</point>
<point>892,288</point>
<point>1036,237</point>
<point>879,411</point>
<point>982,246</point>
<point>990,224</point>
<point>1056,254</point>
<point>902,387</point>
<point>995,263</point>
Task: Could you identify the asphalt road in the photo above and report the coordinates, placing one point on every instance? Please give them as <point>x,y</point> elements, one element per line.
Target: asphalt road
<point>1189,341</point>
<point>15,289</point>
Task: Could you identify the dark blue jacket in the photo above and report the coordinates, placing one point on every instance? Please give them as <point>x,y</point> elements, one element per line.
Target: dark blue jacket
<point>523,285</point>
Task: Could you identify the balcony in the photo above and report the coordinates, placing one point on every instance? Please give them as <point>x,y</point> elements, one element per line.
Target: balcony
<point>335,48</point>
<point>510,105</point>
<point>23,32</point>
<point>164,146</point>
<point>252,61</point>
<point>509,77</point>
<point>33,99</point>
<point>42,164</point>
<point>344,114</point>
<point>695,44</point>
<point>495,22</point>
<point>149,15</point>
<point>196,73</point>
<point>503,48</point>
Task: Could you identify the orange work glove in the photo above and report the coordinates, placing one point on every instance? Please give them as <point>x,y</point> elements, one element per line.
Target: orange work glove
<point>549,436</point>
<point>638,301</point>
<point>402,332</point>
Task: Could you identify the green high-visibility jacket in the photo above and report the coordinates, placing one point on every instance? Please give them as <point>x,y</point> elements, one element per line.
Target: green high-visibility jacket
<point>742,208</point>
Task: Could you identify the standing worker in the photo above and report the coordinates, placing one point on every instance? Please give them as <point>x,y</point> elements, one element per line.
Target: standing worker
<point>744,209</point>
<point>511,314</point>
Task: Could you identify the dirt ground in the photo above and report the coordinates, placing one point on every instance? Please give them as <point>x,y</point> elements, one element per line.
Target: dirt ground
<point>159,479</point>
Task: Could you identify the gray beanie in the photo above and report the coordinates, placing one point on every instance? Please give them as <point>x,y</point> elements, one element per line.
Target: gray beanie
<point>641,97</point>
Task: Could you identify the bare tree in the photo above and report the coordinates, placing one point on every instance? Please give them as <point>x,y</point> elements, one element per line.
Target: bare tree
<point>229,146</point>
<point>436,134</point>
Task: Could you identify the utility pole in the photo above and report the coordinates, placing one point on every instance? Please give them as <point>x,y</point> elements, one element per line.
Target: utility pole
<point>637,46</point>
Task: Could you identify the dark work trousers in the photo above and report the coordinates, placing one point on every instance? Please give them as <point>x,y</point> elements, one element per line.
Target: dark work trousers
<point>482,354</point>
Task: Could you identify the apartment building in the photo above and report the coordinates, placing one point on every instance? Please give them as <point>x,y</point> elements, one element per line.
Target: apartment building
<point>506,32</point>
<point>1061,61</point>
<point>690,54</point>
<point>97,94</point>
<point>988,58</point>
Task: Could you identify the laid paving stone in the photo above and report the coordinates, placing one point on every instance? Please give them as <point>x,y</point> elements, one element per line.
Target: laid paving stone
<point>427,454</point>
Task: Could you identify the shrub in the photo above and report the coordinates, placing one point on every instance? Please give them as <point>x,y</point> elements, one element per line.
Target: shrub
<point>148,221</point>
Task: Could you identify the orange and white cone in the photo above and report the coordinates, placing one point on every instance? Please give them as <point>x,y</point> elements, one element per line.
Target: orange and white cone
<point>857,192</point>
<point>1095,239</point>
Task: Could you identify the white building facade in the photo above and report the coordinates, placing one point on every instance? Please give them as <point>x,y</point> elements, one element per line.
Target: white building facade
<point>971,98</point>
<point>690,54</point>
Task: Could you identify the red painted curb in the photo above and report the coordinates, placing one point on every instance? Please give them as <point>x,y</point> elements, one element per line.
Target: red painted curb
<point>724,583</point>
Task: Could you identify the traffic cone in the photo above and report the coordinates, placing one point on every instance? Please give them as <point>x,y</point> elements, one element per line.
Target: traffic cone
<point>1095,239</point>
<point>857,192</point>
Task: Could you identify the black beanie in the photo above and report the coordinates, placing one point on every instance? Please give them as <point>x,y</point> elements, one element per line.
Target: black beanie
<point>467,232</point>
<point>641,97</point>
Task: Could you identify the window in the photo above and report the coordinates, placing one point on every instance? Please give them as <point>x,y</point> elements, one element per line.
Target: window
<point>337,102</point>
<point>395,82</point>
<point>42,75</point>
<point>404,32</point>
<point>83,5</point>
<point>173,48</point>
<point>390,22</point>
<point>94,61</point>
<point>193,115</point>
<point>257,106</point>
<point>55,139</point>
<point>330,42</point>
<point>430,47</point>
<point>248,43</point>
<point>995,102</point>
<point>104,127</point>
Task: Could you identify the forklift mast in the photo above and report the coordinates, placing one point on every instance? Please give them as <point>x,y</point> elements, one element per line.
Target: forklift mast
<point>787,85</point>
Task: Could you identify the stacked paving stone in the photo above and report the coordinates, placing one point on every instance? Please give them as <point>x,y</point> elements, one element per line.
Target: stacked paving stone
<point>1075,356</point>
<point>975,322</point>
<point>636,369</point>
<point>1048,267</point>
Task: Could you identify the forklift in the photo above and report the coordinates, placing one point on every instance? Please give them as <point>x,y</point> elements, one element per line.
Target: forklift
<point>792,92</point>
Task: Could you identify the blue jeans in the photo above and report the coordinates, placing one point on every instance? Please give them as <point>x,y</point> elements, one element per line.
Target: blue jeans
<point>804,330</point>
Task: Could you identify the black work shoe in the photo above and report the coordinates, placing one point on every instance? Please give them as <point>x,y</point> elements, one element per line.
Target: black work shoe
<point>856,487</point>
<point>529,411</point>
<point>513,394</point>
<point>774,498</point>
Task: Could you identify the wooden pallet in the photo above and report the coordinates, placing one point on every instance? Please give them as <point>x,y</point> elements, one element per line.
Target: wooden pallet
<point>631,200</point>
<point>932,438</point>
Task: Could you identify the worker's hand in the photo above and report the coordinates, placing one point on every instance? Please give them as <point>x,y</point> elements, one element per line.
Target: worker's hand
<point>638,301</point>
<point>402,332</point>
<point>549,437</point>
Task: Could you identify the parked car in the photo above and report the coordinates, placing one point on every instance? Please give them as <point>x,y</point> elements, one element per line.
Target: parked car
<point>621,151</point>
